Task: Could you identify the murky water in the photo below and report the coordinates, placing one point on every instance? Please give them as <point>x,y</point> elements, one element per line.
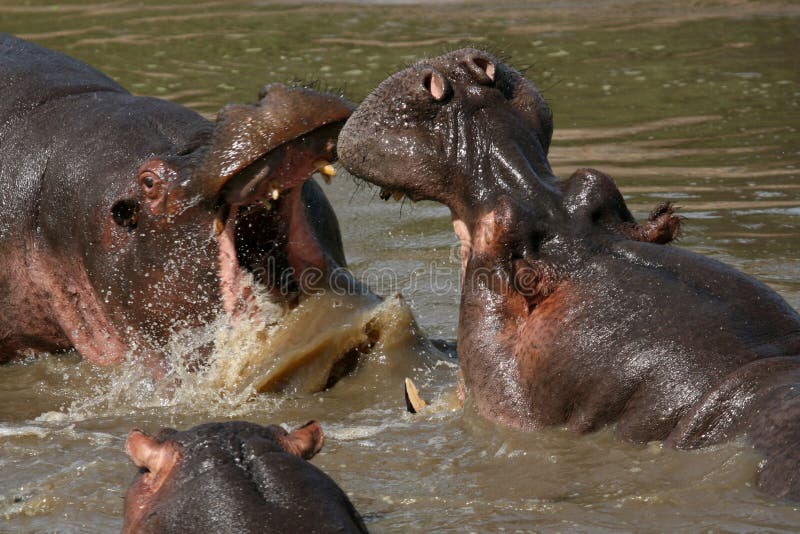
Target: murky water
<point>697,102</point>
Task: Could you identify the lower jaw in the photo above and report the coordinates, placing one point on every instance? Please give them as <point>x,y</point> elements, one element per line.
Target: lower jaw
<point>271,253</point>
<point>303,341</point>
<point>310,347</point>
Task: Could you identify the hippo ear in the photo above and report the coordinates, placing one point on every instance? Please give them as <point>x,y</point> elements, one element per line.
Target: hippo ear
<point>592,198</point>
<point>155,458</point>
<point>663,226</point>
<point>305,441</point>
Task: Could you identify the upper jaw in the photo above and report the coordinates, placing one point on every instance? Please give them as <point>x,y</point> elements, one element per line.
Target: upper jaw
<point>264,236</point>
<point>287,166</point>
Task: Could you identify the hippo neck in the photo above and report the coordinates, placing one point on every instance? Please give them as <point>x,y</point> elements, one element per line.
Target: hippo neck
<point>522,170</point>
<point>487,357</point>
<point>510,164</point>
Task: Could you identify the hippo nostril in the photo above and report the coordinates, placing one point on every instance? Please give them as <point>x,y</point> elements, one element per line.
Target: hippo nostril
<point>436,85</point>
<point>483,69</point>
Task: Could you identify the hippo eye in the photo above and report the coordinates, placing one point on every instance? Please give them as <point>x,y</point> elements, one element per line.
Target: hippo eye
<point>150,184</point>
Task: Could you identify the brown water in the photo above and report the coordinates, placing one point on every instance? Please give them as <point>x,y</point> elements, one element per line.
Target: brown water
<point>693,101</point>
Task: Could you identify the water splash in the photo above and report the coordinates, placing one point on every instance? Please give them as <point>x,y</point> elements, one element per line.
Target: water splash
<point>229,368</point>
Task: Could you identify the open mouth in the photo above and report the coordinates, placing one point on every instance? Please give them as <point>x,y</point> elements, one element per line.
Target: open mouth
<point>270,253</point>
<point>462,231</point>
<point>262,229</point>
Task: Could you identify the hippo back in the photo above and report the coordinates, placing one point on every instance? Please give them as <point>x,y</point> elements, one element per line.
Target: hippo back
<point>31,75</point>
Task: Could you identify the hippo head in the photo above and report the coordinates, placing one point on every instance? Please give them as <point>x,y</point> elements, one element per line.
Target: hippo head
<point>245,186</point>
<point>242,184</point>
<point>233,476</point>
<point>468,131</point>
<point>461,129</point>
<point>225,219</point>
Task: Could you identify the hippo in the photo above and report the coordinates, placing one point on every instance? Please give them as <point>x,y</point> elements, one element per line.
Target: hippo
<point>572,313</point>
<point>126,219</point>
<point>233,477</point>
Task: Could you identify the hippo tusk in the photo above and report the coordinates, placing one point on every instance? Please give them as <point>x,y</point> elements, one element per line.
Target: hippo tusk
<point>219,221</point>
<point>414,403</point>
<point>219,226</point>
<point>325,168</point>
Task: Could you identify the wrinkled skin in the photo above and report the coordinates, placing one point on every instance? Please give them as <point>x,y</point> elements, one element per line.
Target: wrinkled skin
<point>571,312</point>
<point>124,219</point>
<point>235,477</point>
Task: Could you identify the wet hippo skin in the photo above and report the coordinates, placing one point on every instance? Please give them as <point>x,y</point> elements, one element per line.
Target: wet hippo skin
<point>124,219</point>
<point>572,313</point>
<point>233,477</point>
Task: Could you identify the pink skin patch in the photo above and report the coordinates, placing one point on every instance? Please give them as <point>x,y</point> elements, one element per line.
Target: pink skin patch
<point>303,250</point>
<point>475,241</point>
<point>235,296</point>
<point>466,244</point>
<point>285,180</point>
<point>76,309</point>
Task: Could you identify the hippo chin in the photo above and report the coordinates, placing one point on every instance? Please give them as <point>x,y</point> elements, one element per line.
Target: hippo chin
<point>571,312</point>
<point>125,219</point>
<point>233,477</point>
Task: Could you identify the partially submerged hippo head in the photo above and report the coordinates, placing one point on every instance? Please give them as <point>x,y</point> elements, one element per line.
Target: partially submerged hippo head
<point>132,226</point>
<point>233,477</point>
<point>571,312</point>
<point>229,221</point>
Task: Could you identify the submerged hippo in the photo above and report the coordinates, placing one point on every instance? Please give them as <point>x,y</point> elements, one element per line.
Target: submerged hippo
<point>233,477</point>
<point>124,219</point>
<point>571,312</point>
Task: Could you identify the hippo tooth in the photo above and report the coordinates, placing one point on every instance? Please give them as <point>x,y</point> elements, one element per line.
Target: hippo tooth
<point>385,194</point>
<point>398,195</point>
<point>275,194</point>
<point>219,226</point>
<point>414,402</point>
<point>325,169</point>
